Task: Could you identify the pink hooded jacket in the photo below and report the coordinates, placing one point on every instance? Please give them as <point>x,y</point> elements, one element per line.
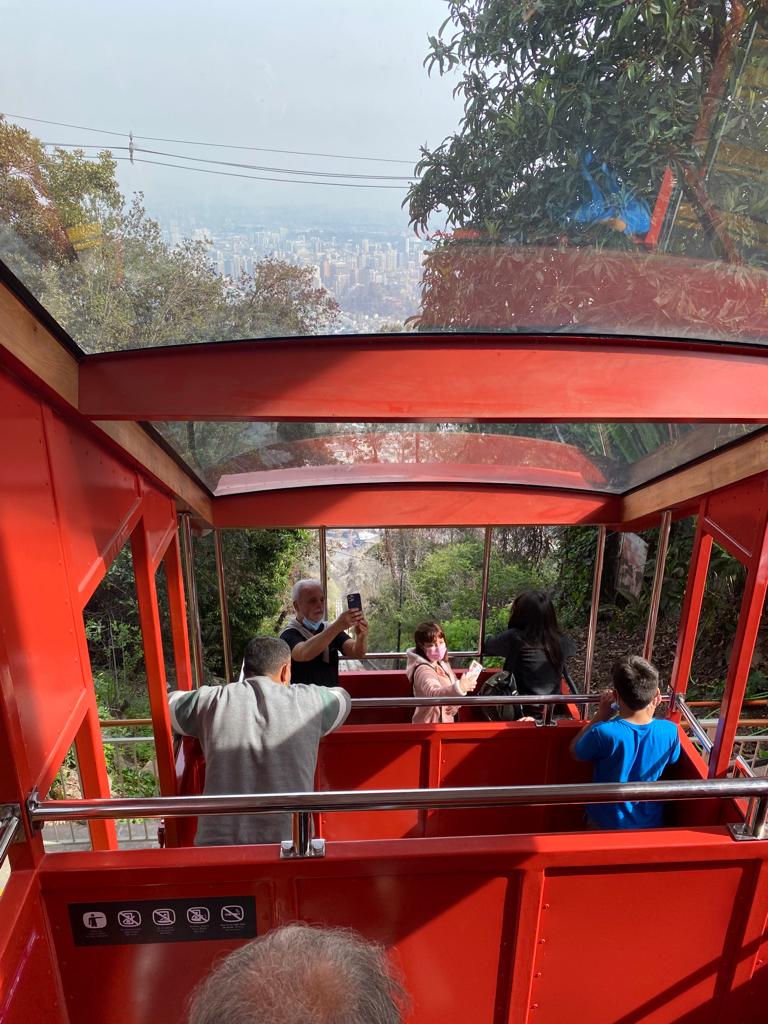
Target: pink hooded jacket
<point>432,679</point>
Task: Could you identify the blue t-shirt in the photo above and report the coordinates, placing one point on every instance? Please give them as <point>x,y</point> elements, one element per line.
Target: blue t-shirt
<point>625,752</point>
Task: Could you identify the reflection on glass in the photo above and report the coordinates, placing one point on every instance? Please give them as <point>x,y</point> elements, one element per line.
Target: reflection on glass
<point>603,170</point>
<point>612,457</point>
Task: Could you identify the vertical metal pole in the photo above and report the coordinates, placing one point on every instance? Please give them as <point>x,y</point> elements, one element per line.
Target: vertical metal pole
<point>658,580</point>
<point>323,567</point>
<point>593,609</point>
<point>302,834</point>
<point>484,595</point>
<point>226,634</point>
<point>193,609</point>
<point>759,819</point>
<point>691,610</point>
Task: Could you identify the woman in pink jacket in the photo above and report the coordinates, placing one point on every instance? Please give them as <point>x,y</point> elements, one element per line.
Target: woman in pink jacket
<point>432,676</point>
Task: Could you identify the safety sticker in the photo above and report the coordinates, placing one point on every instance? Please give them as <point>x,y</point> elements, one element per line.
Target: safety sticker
<point>130,922</point>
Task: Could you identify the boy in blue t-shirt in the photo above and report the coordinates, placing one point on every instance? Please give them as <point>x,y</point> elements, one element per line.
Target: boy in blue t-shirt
<point>631,747</point>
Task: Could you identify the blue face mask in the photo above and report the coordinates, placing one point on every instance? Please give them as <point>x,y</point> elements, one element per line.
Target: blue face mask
<point>314,626</point>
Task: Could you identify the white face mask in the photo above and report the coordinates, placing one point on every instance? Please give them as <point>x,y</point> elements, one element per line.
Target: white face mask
<point>435,652</point>
<point>314,626</point>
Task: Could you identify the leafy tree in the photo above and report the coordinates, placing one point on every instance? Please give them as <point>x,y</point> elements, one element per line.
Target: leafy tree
<point>551,86</point>
<point>259,568</point>
<point>544,84</point>
<point>101,268</point>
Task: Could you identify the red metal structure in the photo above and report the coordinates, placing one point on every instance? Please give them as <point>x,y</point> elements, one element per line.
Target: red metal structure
<point>536,904</point>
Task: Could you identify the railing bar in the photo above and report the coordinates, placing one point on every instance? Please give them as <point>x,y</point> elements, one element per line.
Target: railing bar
<point>695,725</point>
<point>9,825</point>
<point>360,703</point>
<point>398,799</point>
<point>123,723</point>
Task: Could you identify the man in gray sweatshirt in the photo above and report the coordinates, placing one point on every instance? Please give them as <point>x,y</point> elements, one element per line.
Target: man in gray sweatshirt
<point>260,735</point>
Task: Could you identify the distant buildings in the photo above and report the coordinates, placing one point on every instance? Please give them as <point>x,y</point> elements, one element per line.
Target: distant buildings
<point>374,276</point>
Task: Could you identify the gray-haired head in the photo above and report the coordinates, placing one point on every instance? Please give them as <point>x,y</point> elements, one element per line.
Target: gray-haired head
<point>300,974</point>
<point>265,656</point>
<point>300,585</point>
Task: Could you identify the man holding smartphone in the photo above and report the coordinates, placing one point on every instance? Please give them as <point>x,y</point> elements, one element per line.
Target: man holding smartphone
<point>316,645</point>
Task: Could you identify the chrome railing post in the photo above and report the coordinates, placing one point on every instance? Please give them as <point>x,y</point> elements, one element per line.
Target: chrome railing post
<point>597,578</point>
<point>759,820</point>
<point>658,580</point>
<point>10,820</point>
<point>226,633</point>
<point>302,844</point>
<point>192,605</point>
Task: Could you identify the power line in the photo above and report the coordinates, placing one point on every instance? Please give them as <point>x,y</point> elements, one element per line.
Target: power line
<point>215,145</point>
<point>253,177</point>
<point>231,163</point>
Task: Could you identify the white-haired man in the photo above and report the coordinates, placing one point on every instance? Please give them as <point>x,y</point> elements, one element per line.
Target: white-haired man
<point>302,973</point>
<point>316,645</point>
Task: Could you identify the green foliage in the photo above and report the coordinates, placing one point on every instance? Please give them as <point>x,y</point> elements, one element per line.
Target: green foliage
<point>259,567</point>
<point>544,82</point>
<point>576,570</point>
<point>444,583</point>
<point>120,285</point>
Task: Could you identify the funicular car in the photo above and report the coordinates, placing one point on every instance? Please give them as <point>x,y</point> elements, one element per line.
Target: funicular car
<point>461,847</point>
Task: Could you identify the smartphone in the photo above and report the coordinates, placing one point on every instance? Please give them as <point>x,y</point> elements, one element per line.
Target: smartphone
<point>354,601</point>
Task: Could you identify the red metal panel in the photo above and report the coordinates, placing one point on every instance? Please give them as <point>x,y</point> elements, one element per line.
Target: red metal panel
<point>38,618</point>
<point>374,757</point>
<point>663,966</point>
<point>619,897</point>
<point>735,516</point>
<point>97,501</point>
<point>448,928</point>
<point>30,989</point>
<point>383,505</point>
<point>481,378</point>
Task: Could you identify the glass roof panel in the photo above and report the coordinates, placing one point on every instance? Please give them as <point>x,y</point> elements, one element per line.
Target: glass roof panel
<point>239,457</point>
<point>527,167</point>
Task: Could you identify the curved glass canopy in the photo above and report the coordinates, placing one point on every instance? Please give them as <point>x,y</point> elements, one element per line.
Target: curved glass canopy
<point>601,168</point>
<point>239,457</point>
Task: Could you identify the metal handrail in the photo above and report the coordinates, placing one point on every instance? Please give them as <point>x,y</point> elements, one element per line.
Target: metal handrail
<point>359,703</point>
<point>10,821</point>
<point>696,727</point>
<point>41,811</point>
<point>382,655</point>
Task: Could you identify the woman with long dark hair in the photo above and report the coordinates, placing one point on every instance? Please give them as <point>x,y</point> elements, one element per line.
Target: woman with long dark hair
<point>533,648</point>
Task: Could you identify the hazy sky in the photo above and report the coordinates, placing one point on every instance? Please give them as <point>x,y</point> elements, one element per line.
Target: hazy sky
<point>340,76</point>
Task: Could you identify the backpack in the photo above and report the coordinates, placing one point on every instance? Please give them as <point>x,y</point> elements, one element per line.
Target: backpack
<point>500,684</point>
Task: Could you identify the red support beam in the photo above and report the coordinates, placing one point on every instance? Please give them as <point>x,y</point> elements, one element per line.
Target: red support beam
<point>741,658</point>
<point>94,779</point>
<point>691,610</point>
<point>411,505</point>
<point>149,618</point>
<point>481,378</point>
<point>177,608</point>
